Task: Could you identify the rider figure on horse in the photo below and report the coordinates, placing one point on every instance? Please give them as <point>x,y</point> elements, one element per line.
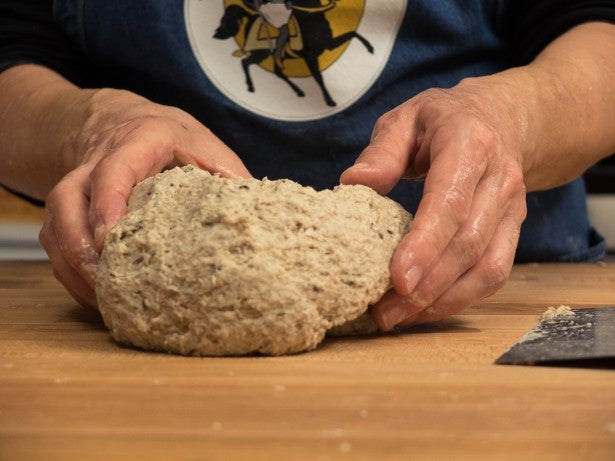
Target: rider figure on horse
<point>277,13</point>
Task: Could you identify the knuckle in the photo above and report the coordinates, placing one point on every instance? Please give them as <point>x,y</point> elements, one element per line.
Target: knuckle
<point>483,133</point>
<point>384,121</point>
<point>400,116</point>
<point>151,129</point>
<point>512,193</point>
<point>471,246</point>
<point>429,239</point>
<point>457,201</point>
<point>435,94</point>
<point>515,177</point>
<point>513,181</point>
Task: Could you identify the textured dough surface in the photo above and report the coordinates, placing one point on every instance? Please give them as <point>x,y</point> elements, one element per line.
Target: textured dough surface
<point>202,265</point>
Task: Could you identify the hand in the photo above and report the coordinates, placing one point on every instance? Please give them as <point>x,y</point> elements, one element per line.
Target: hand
<point>479,146</point>
<point>466,145</point>
<point>125,139</point>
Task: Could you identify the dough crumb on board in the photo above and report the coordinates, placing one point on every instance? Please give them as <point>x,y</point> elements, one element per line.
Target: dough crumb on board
<point>203,265</point>
<point>553,313</point>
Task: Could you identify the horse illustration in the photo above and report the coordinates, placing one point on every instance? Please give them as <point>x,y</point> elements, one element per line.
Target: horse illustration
<point>308,36</point>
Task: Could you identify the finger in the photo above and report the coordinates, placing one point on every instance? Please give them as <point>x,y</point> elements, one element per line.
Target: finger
<point>494,198</point>
<point>448,194</point>
<point>464,249</point>
<point>74,283</point>
<point>140,152</point>
<point>210,153</point>
<point>486,277</point>
<point>111,180</point>
<point>67,206</point>
<point>385,160</point>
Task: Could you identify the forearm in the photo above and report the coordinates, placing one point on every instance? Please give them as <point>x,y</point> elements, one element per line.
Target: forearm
<point>561,106</point>
<point>39,113</point>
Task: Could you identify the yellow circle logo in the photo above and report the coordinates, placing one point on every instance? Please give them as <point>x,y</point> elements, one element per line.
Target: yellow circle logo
<point>293,60</point>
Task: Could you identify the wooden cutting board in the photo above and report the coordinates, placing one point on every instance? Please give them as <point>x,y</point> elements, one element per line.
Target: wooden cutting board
<point>68,392</point>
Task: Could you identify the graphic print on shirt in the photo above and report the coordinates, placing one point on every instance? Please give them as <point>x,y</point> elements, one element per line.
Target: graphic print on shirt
<point>293,60</point>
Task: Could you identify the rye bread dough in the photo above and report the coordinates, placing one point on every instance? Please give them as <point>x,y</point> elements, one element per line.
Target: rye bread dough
<point>202,265</point>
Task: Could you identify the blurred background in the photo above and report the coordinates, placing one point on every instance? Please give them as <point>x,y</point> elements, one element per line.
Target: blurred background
<point>20,222</point>
<point>600,183</point>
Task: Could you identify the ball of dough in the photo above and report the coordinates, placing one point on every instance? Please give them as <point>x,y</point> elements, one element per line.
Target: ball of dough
<point>202,265</point>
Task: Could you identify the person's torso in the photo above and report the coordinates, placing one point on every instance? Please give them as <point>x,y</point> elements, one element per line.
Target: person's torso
<point>307,113</point>
<point>310,114</point>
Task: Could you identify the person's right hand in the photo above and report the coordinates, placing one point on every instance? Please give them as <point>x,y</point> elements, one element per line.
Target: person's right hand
<point>125,139</point>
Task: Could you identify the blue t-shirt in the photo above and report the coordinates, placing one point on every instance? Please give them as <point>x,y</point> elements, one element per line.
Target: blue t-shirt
<point>295,87</point>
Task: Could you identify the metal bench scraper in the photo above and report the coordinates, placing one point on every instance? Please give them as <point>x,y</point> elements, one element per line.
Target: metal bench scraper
<point>577,337</point>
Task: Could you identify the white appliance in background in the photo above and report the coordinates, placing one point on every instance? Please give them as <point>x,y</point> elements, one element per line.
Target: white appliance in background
<point>600,185</point>
<point>601,210</point>
<point>20,241</point>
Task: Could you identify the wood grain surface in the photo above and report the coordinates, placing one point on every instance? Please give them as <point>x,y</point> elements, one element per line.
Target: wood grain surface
<point>68,392</point>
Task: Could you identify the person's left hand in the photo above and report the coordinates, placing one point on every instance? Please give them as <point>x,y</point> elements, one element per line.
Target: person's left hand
<point>468,147</point>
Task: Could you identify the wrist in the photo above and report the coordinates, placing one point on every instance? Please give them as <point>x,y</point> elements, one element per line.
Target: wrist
<point>535,111</point>
<point>36,105</point>
<point>64,117</point>
<point>507,101</point>
<point>559,109</point>
<point>97,111</point>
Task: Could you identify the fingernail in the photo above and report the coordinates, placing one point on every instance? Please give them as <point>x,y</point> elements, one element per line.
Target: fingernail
<point>360,166</point>
<point>394,315</point>
<point>418,301</point>
<point>411,279</point>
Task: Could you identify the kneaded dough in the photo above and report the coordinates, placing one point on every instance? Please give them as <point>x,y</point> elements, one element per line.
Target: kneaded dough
<point>202,265</point>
